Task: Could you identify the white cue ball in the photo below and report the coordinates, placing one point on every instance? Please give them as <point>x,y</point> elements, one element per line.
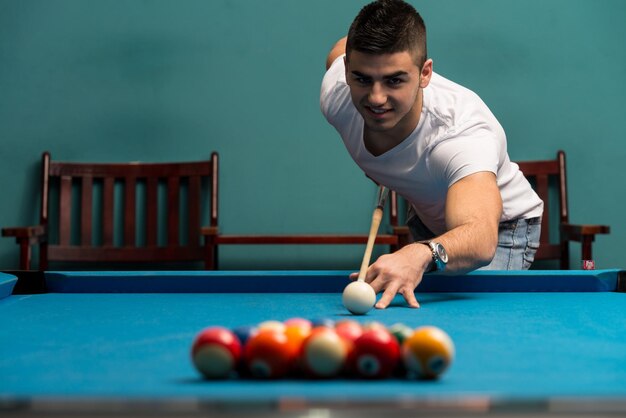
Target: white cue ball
<point>359,297</point>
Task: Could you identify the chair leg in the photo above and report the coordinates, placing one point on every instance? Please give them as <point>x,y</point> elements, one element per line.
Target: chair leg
<point>25,254</point>
<point>564,256</point>
<point>210,257</point>
<point>586,247</point>
<point>43,256</point>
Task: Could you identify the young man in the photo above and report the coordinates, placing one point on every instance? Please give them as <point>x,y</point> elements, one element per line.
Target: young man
<point>435,143</point>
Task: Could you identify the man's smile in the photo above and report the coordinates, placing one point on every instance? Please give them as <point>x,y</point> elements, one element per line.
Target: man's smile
<point>377,111</point>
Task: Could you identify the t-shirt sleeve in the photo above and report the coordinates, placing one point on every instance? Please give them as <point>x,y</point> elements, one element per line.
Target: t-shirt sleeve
<point>333,89</point>
<point>474,150</point>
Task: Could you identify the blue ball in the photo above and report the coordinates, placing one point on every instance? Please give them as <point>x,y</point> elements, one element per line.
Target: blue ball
<point>323,322</point>
<point>244,333</point>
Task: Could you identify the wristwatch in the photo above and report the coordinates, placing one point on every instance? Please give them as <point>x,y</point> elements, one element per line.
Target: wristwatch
<point>440,256</point>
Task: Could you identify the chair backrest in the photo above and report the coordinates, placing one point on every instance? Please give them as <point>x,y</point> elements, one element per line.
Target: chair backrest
<point>126,212</point>
<point>549,180</point>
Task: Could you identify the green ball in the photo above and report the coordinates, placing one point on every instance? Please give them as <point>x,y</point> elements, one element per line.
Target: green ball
<point>401,331</point>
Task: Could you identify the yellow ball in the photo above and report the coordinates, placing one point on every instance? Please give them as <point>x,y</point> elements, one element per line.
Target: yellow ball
<point>273,325</point>
<point>428,352</point>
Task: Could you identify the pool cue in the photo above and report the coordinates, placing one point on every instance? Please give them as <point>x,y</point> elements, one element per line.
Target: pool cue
<point>377,216</point>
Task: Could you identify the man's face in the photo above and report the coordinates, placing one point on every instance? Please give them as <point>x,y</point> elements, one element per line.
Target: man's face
<point>386,90</point>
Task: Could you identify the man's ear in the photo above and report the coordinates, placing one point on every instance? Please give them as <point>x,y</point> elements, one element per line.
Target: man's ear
<point>426,73</point>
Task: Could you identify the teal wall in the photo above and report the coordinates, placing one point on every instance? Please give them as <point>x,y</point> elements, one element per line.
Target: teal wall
<point>158,80</point>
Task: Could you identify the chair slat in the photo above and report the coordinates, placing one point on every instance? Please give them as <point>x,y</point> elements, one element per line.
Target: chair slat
<point>130,214</point>
<point>65,210</point>
<point>151,211</point>
<point>86,206</point>
<point>173,194</point>
<point>108,203</point>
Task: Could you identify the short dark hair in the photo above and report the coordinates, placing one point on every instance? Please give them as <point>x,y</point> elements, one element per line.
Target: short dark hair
<point>387,27</point>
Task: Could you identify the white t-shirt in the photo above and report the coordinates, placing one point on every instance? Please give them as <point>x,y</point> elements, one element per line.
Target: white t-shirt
<point>457,135</point>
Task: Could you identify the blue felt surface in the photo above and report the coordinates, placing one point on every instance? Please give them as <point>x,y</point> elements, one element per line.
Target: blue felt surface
<point>509,345</point>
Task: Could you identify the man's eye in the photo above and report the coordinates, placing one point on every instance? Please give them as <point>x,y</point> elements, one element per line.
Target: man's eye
<point>362,80</point>
<point>395,81</point>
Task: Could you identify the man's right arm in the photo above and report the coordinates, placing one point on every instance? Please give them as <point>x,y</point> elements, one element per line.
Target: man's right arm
<point>338,50</point>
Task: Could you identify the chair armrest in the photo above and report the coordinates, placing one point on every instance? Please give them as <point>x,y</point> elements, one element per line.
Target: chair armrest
<point>25,237</point>
<point>401,230</point>
<point>579,233</point>
<point>209,231</point>
<point>34,234</point>
<point>585,234</point>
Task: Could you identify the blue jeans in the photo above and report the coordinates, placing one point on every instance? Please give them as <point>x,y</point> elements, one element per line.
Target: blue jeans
<point>518,241</point>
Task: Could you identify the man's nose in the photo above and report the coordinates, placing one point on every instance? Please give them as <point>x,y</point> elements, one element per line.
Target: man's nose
<point>377,96</point>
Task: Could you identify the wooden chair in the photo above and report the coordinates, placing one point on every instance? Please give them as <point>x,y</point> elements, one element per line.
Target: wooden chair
<point>551,175</point>
<point>395,237</point>
<point>100,194</point>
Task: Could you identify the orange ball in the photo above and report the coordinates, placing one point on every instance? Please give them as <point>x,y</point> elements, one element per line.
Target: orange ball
<point>299,322</point>
<point>297,334</point>
<point>270,354</point>
<point>428,352</point>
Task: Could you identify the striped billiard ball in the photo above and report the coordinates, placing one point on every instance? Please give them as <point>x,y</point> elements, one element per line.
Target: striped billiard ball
<point>324,353</point>
<point>376,354</point>
<point>216,352</point>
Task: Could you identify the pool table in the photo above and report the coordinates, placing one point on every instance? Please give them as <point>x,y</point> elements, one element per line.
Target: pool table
<point>536,343</point>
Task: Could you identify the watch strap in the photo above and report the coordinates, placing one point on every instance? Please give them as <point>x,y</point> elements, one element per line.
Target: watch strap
<point>432,266</point>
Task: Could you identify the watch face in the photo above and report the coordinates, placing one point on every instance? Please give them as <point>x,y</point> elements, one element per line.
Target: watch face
<point>441,253</point>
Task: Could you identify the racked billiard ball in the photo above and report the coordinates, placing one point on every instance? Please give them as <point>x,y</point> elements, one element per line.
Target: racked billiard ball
<point>349,329</point>
<point>322,322</point>
<point>244,333</point>
<point>272,324</point>
<point>376,354</point>
<point>401,331</point>
<point>428,352</point>
<point>324,353</point>
<point>270,354</point>
<point>216,352</point>
<point>301,323</point>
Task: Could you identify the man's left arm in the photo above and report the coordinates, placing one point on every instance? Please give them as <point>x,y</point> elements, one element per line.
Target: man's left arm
<point>473,211</point>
